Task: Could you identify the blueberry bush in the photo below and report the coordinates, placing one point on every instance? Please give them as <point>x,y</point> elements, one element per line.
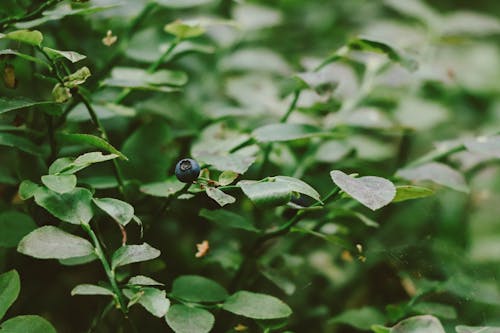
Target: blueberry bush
<point>196,166</point>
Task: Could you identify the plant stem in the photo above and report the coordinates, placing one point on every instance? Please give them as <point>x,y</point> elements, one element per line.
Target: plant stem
<point>52,141</point>
<point>151,69</point>
<point>171,198</point>
<point>283,119</point>
<point>102,130</point>
<point>107,268</point>
<point>100,316</point>
<point>28,16</point>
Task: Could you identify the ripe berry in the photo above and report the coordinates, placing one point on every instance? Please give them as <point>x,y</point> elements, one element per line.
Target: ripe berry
<point>187,170</point>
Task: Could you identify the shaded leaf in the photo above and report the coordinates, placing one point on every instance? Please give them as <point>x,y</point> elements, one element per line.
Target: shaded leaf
<point>409,192</point>
<point>419,324</point>
<point>8,104</point>
<point>19,142</point>
<point>256,306</point>
<point>436,172</point>
<point>129,254</point>
<point>49,242</point>
<point>73,207</point>
<point>121,211</point>
<point>90,289</point>
<point>373,192</point>
<point>27,189</point>
<point>14,226</point>
<point>193,288</point>
<point>10,285</point>
<point>285,132</point>
<point>184,319</point>
<point>228,219</point>
<point>220,197</point>
<point>27,324</point>
<point>361,319</point>
<point>163,189</point>
<point>91,140</point>
<point>266,193</point>
<point>60,183</point>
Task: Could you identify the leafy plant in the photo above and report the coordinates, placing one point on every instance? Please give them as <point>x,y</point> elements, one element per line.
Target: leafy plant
<point>228,166</point>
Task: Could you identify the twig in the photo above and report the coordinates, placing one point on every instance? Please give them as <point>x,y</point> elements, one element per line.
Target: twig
<point>105,264</point>
<point>28,16</point>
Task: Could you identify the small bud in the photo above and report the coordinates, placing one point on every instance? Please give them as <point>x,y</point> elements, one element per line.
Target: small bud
<point>203,248</point>
<point>109,39</point>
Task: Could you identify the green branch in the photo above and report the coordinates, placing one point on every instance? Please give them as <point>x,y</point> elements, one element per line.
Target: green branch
<point>28,16</point>
<point>107,268</point>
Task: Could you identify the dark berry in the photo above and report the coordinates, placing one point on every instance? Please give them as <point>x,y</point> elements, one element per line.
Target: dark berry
<point>187,170</point>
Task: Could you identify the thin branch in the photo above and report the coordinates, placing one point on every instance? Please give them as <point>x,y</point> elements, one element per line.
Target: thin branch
<point>28,16</point>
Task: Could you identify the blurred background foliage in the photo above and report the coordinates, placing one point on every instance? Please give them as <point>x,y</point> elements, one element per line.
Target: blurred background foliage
<point>438,255</point>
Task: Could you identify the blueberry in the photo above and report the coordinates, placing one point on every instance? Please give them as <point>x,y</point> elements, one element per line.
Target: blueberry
<point>187,170</point>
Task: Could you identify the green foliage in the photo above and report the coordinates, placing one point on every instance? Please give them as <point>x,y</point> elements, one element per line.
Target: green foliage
<point>348,155</point>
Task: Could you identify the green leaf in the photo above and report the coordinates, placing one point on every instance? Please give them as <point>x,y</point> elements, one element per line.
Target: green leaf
<point>68,165</point>
<point>78,260</point>
<point>183,3</point>
<point>49,242</point>
<point>90,140</point>
<point>90,289</point>
<point>8,105</point>
<point>230,162</point>
<point>225,218</point>
<point>183,30</point>
<point>489,146</point>
<point>19,142</point>
<point>435,172</point>
<point>163,189</point>
<point>10,286</point>
<point>77,78</point>
<point>34,37</point>
<point>141,280</point>
<point>266,193</point>
<point>27,324</point>
<point>297,185</point>
<point>121,211</point>
<point>153,300</point>
<point>371,45</point>
<point>60,183</point>
<point>361,319</point>
<point>409,192</point>
<point>14,226</point>
<point>158,156</point>
<point>198,289</point>
<point>129,254</point>
<point>380,329</point>
<point>227,177</point>
<point>27,189</point>
<point>220,197</point>
<point>333,239</point>
<point>137,78</point>
<point>72,207</point>
<point>60,12</point>
<point>256,306</point>
<point>477,329</point>
<point>184,319</point>
<point>419,324</point>
<point>372,192</point>
<point>25,57</point>
<point>285,132</point>
<point>70,55</point>
<point>443,311</point>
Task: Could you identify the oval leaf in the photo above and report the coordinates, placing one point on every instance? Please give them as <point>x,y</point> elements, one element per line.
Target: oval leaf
<point>27,324</point>
<point>129,254</point>
<point>373,192</point>
<point>49,242</point>
<point>90,289</point>
<point>193,288</point>
<point>184,319</point>
<point>419,324</point>
<point>267,193</point>
<point>256,306</point>
<point>73,207</point>
<point>220,197</point>
<point>10,286</point>
<point>14,226</point>
<point>120,211</point>
<point>435,172</point>
<point>60,183</point>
